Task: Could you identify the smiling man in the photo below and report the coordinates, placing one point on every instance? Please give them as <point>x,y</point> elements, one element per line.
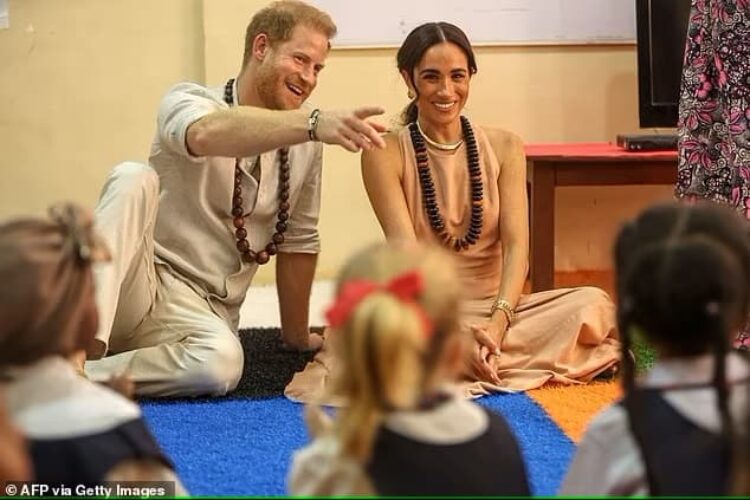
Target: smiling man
<point>233,179</point>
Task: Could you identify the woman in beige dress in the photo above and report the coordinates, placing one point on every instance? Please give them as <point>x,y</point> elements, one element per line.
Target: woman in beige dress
<point>445,180</point>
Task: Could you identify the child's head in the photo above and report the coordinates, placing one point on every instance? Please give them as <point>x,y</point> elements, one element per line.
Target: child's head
<point>47,301</point>
<point>683,282</point>
<point>683,277</point>
<point>395,334</point>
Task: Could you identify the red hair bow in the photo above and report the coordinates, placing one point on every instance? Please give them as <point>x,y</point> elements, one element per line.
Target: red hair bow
<point>406,287</point>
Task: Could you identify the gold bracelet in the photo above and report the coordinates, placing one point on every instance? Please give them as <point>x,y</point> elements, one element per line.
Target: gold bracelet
<point>505,307</point>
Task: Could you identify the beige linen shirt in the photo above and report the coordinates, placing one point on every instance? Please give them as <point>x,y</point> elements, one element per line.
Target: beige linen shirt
<point>194,234</point>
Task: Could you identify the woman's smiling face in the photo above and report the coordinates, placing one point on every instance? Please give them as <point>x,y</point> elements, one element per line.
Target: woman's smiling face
<point>441,83</point>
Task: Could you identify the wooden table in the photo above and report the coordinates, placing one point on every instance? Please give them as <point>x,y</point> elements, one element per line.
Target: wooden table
<point>585,164</point>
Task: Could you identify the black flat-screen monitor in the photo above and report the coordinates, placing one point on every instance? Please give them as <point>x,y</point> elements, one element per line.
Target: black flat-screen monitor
<point>662,28</point>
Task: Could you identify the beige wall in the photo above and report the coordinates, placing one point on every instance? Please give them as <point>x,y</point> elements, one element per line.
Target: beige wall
<point>81,79</point>
<point>79,82</point>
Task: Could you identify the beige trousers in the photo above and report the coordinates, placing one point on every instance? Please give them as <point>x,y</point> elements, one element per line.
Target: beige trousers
<point>565,336</point>
<point>154,327</point>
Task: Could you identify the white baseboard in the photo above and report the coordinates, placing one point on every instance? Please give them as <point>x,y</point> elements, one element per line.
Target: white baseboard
<point>261,306</point>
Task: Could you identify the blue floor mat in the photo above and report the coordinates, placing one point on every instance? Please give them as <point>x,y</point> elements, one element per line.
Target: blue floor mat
<point>244,446</point>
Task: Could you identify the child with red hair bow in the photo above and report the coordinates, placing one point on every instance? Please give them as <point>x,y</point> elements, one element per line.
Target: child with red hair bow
<point>403,429</point>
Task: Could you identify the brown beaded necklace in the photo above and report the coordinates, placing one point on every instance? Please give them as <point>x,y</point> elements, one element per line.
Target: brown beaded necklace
<point>249,255</point>
<point>437,222</point>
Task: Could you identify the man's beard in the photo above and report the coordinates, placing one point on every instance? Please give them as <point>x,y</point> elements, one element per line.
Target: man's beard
<point>269,88</point>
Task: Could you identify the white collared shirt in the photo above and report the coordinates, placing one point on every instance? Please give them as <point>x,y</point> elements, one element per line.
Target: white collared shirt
<point>608,461</point>
<point>48,399</point>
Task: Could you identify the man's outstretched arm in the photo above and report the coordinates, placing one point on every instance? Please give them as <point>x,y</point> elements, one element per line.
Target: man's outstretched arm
<point>245,131</point>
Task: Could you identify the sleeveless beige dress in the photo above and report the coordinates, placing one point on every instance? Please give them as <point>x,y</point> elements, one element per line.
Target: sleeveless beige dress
<point>566,335</point>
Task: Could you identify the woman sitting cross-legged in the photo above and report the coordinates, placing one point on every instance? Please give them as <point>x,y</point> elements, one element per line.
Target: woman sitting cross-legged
<point>444,179</point>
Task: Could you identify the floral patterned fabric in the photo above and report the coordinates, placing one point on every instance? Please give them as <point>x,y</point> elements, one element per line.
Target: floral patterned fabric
<point>714,117</point>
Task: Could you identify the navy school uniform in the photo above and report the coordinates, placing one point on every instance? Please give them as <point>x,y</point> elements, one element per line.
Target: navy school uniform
<point>77,431</point>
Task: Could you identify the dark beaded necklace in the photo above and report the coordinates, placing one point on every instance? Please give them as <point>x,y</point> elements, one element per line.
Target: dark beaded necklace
<point>249,255</point>
<point>437,222</point>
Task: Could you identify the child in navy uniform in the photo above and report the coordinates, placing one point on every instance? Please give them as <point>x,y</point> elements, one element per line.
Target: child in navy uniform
<point>683,284</point>
<point>403,429</point>
<point>78,432</point>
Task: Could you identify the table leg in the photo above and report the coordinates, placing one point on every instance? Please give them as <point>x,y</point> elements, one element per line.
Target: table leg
<point>542,241</point>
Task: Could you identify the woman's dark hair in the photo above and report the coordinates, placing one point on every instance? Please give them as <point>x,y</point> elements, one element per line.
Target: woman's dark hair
<point>683,281</point>
<point>418,42</point>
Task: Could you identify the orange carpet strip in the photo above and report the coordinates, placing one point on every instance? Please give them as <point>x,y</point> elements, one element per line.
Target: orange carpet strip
<point>573,406</point>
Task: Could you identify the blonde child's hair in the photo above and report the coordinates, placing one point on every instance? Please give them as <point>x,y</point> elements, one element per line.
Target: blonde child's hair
<point>384,357</point>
